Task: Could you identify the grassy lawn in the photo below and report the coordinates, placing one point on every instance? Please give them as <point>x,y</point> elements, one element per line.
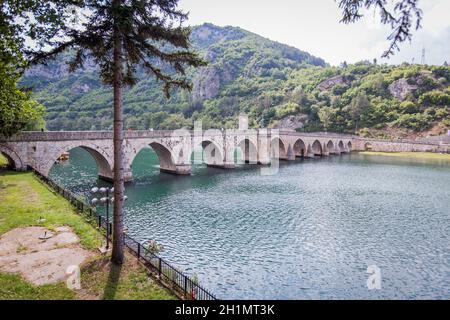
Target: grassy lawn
<point>411,155</point>
<point>23,200</point>
<point>14,287</point>
<point>127,282</point>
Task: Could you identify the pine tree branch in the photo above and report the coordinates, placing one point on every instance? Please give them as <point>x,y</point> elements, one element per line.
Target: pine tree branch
<point>403,19</point>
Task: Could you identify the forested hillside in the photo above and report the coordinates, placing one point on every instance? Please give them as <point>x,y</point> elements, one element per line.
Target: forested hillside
<point>276,85</point>
<point>78,101</point>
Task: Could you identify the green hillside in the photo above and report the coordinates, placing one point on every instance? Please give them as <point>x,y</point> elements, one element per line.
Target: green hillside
<point>276,85</point>
<point>78,101</point>
<point>377,100</point>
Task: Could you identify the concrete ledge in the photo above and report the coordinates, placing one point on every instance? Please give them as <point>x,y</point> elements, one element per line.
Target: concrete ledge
<point>111,180</point>
<point>225,166</point>
<point>179,171</point>
<point>107,179</point>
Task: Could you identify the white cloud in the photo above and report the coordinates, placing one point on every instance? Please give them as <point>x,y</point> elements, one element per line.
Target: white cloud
<point>314,26</point>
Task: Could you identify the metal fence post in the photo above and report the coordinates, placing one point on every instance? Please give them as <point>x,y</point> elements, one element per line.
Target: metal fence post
<point>159,268</point>
<point>185,286</point>
<point>139,251</point>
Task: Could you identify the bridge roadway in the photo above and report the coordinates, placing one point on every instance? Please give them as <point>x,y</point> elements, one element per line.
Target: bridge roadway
<point>40,150</point>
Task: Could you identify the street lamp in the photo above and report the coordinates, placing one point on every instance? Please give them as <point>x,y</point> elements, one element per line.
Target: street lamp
<point>104,191</point>
<point>105,200</point>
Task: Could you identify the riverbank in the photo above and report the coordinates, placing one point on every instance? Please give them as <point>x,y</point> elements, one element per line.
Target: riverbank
<point>26,204</point>
<point>410,155</point>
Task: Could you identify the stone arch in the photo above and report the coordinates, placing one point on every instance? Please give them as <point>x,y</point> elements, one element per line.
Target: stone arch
<point>330,147</point>
<point>166,161</point>
<point>316,148</point>
<point>349,146</point>
<point>14,160</point>
<point>164,154</point>
<point>212,153</point>
<point>167,156</point>
<point>341,146</point>
<point>103,159</point>
<point>249,151</point>
<point>278,149</point>
<point>300,148</point>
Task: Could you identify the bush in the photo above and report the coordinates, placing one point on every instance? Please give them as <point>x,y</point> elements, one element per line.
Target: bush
<point>287,109</point>
<point>408,107</point>
<point>435,98</point>
<point>442,72</point>
<point>416,121</point>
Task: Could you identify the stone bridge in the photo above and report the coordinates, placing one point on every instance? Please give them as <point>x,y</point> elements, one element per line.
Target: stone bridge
<point>176,149</point>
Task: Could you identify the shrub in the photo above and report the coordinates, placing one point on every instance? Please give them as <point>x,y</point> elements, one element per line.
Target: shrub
<point>435,98</point>
<point>416,121</point>
<point>286,109</point>
<point>408,107</point>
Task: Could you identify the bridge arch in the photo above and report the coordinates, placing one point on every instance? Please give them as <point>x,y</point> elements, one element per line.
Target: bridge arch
<point>278,149</point>
<point>300,148</point>
<point>212,153</point>
<point>349,146</point>
<point>248,150</point>
<point>164,154</point>
<point>341,146</point>
<point>14,160</point>
<point>316,148</point>
<point>330,147</point>
<point>103,160</point>
<point>166,161</point>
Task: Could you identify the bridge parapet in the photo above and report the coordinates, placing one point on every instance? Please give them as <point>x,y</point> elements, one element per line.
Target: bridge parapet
<point>138,134</point>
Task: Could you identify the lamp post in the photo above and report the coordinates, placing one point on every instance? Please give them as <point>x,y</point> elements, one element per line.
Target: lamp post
<point>104,191</point>
<point>104,200</point>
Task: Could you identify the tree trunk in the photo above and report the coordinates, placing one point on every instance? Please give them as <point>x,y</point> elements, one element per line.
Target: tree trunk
<point>118,240</point>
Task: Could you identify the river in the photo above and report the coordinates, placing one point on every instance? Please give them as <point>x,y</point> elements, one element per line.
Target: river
<point>309,232</point>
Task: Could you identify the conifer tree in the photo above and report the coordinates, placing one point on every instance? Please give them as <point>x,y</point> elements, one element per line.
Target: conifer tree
<point>119,35</point>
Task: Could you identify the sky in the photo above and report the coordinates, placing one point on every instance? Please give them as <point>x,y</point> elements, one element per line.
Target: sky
<point>313,26</point>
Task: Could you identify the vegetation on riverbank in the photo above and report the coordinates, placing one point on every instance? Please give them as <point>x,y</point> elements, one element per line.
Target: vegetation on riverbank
<point>23,201</point>
<point>411,155</point>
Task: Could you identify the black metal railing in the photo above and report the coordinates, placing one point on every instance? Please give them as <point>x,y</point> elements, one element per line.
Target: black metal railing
<point>176,280</point>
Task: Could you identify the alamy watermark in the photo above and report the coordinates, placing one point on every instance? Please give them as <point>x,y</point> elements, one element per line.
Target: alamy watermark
<point>374,280</point>
<point>73,274</point>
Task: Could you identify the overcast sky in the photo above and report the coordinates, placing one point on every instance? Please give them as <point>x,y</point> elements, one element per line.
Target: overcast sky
<point>313,26</point>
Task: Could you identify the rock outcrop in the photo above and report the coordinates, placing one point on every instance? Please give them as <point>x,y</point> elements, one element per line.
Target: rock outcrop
<point>206,84</point>
<point>292,122</point>
<point>330,83</point>
<point>401,88</point>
